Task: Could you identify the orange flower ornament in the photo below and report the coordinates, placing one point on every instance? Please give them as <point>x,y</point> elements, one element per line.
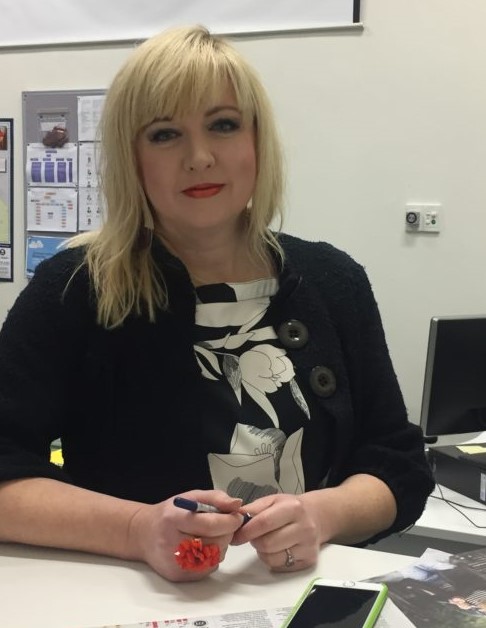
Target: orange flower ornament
<point>193,555</point>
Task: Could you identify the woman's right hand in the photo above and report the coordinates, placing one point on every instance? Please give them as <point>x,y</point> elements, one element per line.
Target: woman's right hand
<point>155,532</point>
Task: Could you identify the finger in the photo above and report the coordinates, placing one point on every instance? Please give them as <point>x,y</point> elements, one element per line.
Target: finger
<point>218,500</point>
<point>215,497</point>
<point>283,560</point>
<point>269,516</point>
<point>209,525</point>
<point>290,559</point>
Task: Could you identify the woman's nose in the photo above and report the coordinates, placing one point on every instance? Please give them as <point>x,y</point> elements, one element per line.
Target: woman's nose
<point>199,156</point>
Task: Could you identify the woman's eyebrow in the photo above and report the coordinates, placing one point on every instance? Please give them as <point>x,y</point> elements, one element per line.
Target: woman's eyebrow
<point>208,113</point>
<point>219,108</point>
<point>164,119</point>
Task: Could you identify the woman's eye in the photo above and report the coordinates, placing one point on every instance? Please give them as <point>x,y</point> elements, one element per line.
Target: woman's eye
<point>160,136</point>
<point>225,125</point>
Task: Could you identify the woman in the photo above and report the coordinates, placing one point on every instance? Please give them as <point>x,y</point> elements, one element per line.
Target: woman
<point>187,350</point>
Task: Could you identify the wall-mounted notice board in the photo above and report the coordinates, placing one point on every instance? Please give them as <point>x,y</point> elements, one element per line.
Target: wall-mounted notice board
<point>31,23</point>
<point>60,158</point>
<point>6,199</point>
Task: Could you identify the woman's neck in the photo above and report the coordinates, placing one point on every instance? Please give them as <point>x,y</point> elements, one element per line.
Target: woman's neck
<point>236,271</point>
<point>219,260</point>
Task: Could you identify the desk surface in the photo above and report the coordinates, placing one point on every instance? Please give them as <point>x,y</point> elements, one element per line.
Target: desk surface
<point>43,588</point>
<point>441,520</point>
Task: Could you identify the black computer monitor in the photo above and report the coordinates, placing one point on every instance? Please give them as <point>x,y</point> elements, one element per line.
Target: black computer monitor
<point>454,395</point>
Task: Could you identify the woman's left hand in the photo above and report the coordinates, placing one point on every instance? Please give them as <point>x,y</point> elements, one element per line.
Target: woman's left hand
<point>284,530</point>
<point>287,530</point>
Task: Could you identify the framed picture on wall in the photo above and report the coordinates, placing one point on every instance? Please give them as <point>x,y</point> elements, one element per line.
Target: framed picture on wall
<point>6,199</point>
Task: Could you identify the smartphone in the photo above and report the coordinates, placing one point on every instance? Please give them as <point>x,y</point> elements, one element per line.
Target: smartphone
<point>338,603</point>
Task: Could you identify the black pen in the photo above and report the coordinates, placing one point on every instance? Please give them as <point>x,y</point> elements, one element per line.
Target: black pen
<point>194,506</point>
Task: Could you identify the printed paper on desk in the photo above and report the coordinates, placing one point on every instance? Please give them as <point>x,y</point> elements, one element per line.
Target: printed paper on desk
<point>265,618</point>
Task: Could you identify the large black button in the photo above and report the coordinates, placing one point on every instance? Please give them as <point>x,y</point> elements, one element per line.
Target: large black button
<point>293,334</point>
<point>322,381</point>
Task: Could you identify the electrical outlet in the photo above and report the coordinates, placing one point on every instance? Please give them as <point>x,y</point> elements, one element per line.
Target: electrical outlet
<point>423,217</point>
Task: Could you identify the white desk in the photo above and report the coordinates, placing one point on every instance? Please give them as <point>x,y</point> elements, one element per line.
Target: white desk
<point>442,521</point>
<point>42,588</point>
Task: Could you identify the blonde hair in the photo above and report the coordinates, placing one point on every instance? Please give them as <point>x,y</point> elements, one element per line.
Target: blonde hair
<point>170,74</point>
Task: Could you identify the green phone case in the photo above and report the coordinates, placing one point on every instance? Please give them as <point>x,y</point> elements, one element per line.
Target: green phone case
<point>373,614</point>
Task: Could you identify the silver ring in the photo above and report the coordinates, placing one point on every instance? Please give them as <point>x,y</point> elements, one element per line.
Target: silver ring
<point>289,561</point>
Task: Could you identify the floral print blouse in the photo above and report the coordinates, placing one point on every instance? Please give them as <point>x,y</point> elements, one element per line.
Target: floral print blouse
<point>258,418</point>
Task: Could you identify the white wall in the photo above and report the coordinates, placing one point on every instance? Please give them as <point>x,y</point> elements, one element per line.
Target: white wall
<point>371,120</point>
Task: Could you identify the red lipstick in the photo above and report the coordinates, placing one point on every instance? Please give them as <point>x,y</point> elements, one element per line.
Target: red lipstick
<point>203,190</point>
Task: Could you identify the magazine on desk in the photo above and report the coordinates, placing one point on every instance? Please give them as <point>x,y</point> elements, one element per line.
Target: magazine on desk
<point>441,590</point>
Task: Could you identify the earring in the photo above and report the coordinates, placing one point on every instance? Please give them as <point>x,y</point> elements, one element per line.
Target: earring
<point>145,237</point>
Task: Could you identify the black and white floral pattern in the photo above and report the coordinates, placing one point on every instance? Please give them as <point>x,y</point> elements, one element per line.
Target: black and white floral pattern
<point>248,358</point>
